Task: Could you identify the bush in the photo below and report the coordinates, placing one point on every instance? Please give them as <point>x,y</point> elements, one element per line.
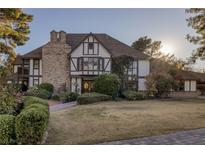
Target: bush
<point>55,97</point>
<point>28,100</point>
<point>133,95</point>
<point>47,86</point>
<point>108,84</point>
<point>68,97</point>
<point>31,124</point>
<point>7,131</point>
<point>88,98</point>
<point>158,84</point>
<point>38,92</point>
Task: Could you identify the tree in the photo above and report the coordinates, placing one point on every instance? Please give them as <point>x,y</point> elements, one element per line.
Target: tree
<point>14,30</point>
<point>143,43</point>
<point>197,22</point>
<point>119,67</point>
<point>153,49</point>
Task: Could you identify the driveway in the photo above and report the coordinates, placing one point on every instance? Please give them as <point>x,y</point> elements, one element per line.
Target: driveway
<point>192,137</point>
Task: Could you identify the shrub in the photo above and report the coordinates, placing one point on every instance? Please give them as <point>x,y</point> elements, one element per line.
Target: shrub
<point>28,100</point>
<point>55,97</point>
<point>47,86</point>
<point>7,131</point>
<point>72,97</point>
<point>63,96</point>
<point>108,84</point>
<point>159,84</point>
<point>31,124</point>
<point>133,95</point>
<point>88,98</point>
<point>38,92</point>
<point>68,96</point>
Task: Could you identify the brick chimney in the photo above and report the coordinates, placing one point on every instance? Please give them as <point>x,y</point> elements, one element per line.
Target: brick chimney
<point>62,37</point>
<point>54,36</point>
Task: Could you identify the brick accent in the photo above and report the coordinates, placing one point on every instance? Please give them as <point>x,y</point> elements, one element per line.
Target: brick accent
<point>55,64</point>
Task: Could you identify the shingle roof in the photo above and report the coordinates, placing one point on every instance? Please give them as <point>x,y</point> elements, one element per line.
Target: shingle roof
<point>18,60</point>
<point>190,75</point>
<point>36,53</point>
<point>114,46</point>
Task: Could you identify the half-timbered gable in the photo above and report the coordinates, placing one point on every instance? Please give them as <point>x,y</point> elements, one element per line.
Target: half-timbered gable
<point>90,58</point>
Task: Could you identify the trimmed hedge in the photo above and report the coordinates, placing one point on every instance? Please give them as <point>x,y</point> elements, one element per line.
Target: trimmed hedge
<point>68,97</point>
<point>32,122</point>
<point>47,86</point>
<point>38,92</point>
<point>28,100</point>
<point>7,131</point>
<point>88,98</point>
<point>108,84</point>
<point>133,95</point>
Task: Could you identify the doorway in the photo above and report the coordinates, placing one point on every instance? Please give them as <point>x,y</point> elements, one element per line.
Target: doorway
<point>87,86</point>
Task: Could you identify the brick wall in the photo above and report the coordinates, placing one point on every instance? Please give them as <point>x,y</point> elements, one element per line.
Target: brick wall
<point>55,64</point>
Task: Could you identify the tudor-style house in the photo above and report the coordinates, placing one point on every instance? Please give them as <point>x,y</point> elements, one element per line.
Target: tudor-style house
<point>71,62</point>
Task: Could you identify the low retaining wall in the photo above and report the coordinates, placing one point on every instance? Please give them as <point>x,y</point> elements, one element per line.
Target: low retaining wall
<point>181,94</point>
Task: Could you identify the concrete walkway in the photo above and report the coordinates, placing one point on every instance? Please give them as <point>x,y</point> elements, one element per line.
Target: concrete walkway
<point>192,137</point>
<point>62,106</point>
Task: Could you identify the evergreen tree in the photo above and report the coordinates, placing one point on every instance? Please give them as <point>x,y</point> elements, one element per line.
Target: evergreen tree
<point>153,49</point>
<point>197,22</point>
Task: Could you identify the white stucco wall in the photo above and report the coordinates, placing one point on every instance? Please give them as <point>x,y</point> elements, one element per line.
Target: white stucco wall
<point>31,67</point>
<point>143,68</point>
<point>186,85</point>
<point>76,82</point>
<point>40,63</point>
<point>30,81</point>
<point>193,85</point>
<point>141,84</point>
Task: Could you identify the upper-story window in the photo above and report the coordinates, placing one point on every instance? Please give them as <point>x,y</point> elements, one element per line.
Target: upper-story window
<point>90,48</point>
<point>132,70</point>
<point>35,64</point>
<point>90,64</point>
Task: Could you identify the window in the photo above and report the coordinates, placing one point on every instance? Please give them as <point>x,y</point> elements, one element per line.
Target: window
<point>90,63</point>
<point>90,46</point>
<point>132,70</point>
<point>19,70</point>
<point>35,64</point>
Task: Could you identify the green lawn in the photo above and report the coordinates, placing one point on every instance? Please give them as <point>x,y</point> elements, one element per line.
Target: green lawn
<point>108,121</point>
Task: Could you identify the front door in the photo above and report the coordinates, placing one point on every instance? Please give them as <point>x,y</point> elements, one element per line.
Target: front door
<point>87,86</point>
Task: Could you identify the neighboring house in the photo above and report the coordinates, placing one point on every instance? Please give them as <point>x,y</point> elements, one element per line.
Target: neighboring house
<point>72,61</point>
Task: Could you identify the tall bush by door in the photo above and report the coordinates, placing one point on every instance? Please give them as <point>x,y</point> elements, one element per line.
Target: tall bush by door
<point>7,131</point>
<point>108,84</point>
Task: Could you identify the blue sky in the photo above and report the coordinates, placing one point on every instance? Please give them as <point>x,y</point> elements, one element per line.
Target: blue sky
<point>166,25</point>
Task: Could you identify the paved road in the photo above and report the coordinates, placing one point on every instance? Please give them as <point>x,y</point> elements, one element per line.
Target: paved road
<point>195,137</point>
<point>62,106</point>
